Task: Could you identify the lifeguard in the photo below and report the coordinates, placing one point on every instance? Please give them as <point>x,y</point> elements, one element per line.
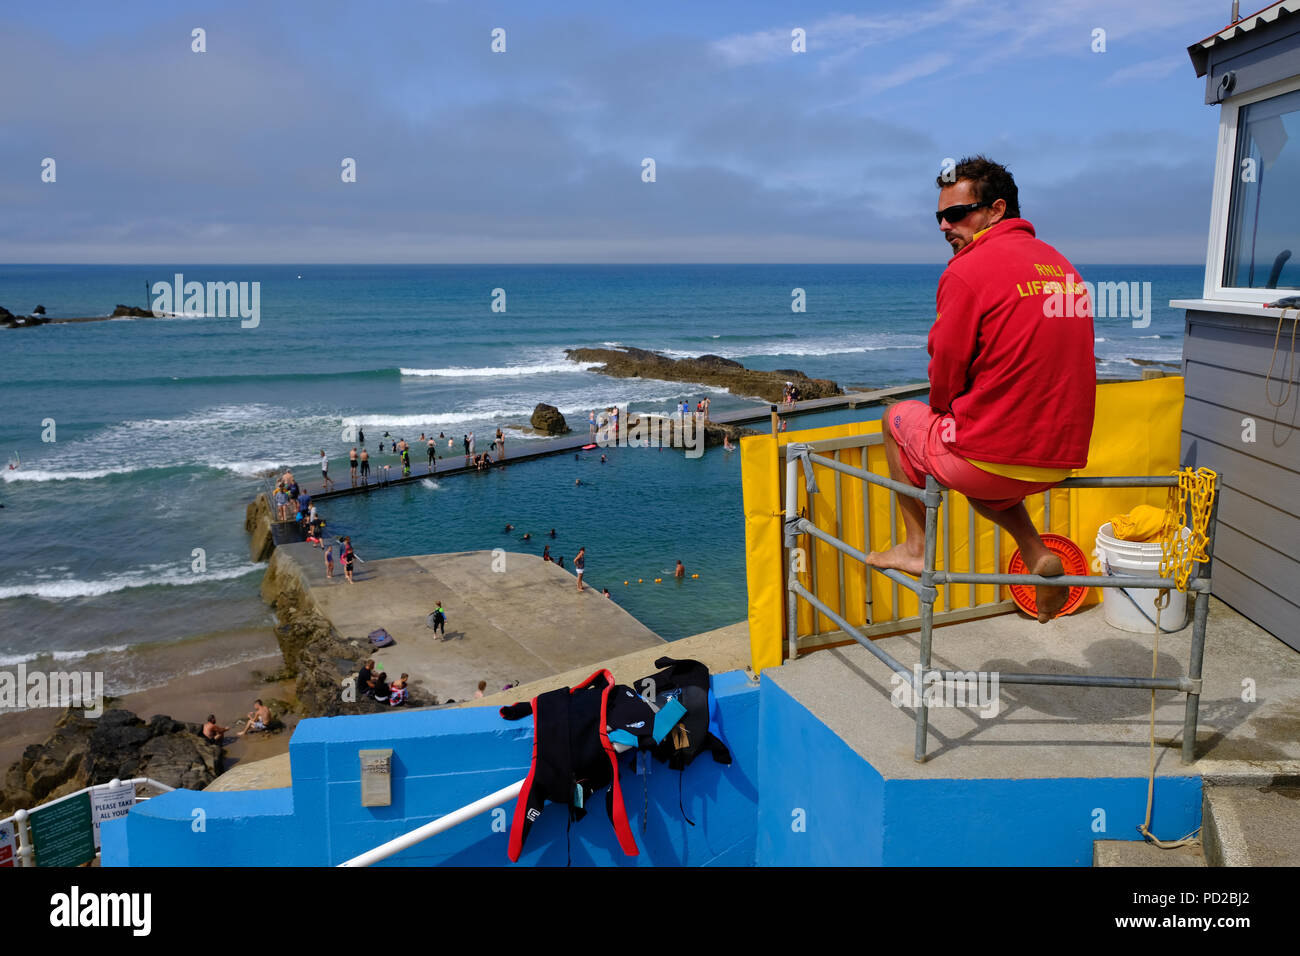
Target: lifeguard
<point>1012,380</point>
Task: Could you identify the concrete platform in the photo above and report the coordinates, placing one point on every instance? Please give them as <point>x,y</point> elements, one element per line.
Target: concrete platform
<point>1042,731</point>
<point>523,623</point>
<point>1252,826</point>
<point>1130,853</point>
<point>1036,780</point>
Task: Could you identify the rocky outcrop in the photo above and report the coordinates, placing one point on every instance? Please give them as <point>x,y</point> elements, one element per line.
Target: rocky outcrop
<point>704,370</point>
<point>82,752</point>
<point>257,522</point>
<point>131,311</point>
<point>314,654</point>
<point>548,420</point>
<point>11,321</point>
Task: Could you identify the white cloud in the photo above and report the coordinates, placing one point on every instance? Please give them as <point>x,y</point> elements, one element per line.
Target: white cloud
<point>1149,70</point>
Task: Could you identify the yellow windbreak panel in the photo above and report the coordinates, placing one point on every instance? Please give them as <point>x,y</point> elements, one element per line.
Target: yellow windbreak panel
<point>763,549</point>
<point>1136,432</point>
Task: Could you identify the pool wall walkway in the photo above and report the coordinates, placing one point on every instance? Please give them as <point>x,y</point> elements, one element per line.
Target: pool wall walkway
<point>797,793</point>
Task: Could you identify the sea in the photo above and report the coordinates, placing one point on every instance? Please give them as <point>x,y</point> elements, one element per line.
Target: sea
<point>139,442</point>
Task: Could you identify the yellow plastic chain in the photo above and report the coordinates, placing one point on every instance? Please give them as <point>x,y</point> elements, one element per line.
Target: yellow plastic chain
<point>1179,553</point>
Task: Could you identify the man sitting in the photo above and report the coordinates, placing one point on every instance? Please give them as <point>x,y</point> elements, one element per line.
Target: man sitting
<point>1012,379</point>
<point>259,718</point>
<point>214,731</point>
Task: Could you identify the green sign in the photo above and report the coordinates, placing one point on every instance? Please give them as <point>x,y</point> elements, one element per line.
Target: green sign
<point>63,833</point>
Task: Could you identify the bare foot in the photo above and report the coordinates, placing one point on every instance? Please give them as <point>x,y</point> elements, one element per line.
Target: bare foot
<point>900,559</point>
<point>1049,599</point>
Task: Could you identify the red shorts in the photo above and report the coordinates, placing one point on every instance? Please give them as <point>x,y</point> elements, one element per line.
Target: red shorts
<point>920,430</point>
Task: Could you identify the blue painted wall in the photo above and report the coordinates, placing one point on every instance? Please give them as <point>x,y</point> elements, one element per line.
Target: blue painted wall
<point>443,760</point>
<point>828,806</point>
<point>821,804</point>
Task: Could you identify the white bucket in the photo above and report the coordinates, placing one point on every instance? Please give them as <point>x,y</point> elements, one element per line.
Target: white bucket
<point>1134,609</point>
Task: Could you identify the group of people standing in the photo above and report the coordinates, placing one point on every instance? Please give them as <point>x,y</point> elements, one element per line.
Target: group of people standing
<point>482,462</point>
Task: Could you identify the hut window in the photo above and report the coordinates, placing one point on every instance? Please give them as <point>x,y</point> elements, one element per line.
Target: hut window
<point>1263,247</point>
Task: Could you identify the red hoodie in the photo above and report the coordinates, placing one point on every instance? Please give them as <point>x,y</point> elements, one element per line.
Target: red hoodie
<point>1011,351</point>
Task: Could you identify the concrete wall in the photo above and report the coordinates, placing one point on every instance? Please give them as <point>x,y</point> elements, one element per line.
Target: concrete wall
<point>1225,361</point>
<point>443,760</point>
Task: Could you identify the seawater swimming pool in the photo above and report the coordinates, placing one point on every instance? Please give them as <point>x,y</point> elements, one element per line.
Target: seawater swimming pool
<point>637,514</point>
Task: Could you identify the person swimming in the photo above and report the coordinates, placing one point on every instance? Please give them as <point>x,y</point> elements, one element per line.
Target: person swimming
<point>508,529</point>
<point>552,532</point>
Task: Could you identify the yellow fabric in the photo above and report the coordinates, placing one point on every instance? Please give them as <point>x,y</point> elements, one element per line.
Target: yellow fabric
<point>1022,472</point>
<point>1141,524</point>
<point>1136,432</point>
<point>761,496</point>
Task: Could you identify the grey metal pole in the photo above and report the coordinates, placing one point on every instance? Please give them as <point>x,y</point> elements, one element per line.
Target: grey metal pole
<point>1200,615</point>
<point>927,596</point>
<point>791,543</point>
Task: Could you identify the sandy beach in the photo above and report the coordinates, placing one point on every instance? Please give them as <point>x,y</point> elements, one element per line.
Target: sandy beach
<point>228,692</point>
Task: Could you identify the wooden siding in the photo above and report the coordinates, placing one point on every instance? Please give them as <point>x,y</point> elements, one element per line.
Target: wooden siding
<point>1257,552</point>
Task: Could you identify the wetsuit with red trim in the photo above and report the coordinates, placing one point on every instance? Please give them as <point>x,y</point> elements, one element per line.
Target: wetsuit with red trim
<point>572,754</point>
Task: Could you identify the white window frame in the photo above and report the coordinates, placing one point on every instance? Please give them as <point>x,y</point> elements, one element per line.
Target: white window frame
<point>1224,173</point>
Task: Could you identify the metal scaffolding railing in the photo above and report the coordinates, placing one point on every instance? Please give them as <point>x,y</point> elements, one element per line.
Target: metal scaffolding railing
<point>926,589</point>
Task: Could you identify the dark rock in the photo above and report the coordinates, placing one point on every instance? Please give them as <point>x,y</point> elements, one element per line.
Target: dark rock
<point>321,661</point>
<point>257,522</point>
<point>548,420</point>
<point>5,313</point>
<point>82,752</point>
<point>131,311</point>
<point>705,370</point>
<point>39,310</point>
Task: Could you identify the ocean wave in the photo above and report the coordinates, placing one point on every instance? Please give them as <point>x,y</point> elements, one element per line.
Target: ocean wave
<point>38,474</point>
<point>430,484</point>
<point>60,656</point>
<point>262,467</point>
<point>231,379</point>
<point>539,368</point>
<point>174,575</point>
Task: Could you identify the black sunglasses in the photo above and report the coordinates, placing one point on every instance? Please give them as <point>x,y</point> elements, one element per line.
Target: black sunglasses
<point>955,214</point>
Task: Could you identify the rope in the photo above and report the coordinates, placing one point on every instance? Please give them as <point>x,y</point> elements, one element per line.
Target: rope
<point>1179,554</point>
<point>1290,363</point>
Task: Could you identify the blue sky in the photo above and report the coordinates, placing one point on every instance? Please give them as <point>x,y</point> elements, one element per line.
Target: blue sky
<point>535,154</point>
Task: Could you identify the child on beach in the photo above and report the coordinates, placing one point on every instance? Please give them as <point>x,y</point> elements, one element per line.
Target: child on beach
<point>329,560</point>
<point>348,557</point>
<point>397,692</point>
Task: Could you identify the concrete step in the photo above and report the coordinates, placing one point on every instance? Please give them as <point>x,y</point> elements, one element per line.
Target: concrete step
<point>1251,825</point>
<point>1141,853</point>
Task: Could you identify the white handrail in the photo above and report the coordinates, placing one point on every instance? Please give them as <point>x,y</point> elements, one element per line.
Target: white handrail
<point>20,817</point>
<point>437,826</point>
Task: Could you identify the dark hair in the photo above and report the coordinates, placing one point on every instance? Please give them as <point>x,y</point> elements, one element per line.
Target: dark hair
<point>990,181</point>
<point>258,701</point>
<point>212,718</point>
